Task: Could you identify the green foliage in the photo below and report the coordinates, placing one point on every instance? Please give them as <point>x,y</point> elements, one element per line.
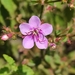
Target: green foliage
<point>8,59</point>
<point>4,71</point>
<point>71,55</point>
<point>12,69</point>
<point>57,58</point>
<point>57,32</point>
<point>10,6</point>
<point>53,61</point>
<point>24,70</point>
<point>1,20</point>
<point>65,39</point>
<point>49,59</point>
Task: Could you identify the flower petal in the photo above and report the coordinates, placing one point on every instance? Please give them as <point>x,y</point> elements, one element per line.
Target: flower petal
<point>24,28</point>
<point>34,21</point>
<point>46,28</point>
<point>42,44</point>
<point>28,42</point>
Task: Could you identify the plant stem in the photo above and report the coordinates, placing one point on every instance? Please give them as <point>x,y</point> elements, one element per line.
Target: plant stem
<point>41,13</point>
<point>54,1</point>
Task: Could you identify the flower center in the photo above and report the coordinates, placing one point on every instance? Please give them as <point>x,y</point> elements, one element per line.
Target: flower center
<point>36,33</point>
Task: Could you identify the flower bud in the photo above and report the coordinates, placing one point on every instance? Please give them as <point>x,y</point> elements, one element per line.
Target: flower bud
<point>53,45</point>
<point>9,35</point>
<point>4,37</point>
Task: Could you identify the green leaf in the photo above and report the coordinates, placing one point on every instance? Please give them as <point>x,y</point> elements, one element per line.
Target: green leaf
<point>70,30</point>
<point>49,59</point>
<point>24,70</point>
<point>9,5</point>
<point>4,71</point>
<point>2,20</point>
<point>8,59</point>
<point>31,63</point>
<point>14,67</point>
<point>57,32</point>
<point>65,39</point>
<point>34,1</point>
<point>71,55</point>
<point>59,5</point>
<point>60,20</point>
<point>72,70</point>
<point>57,59</point>
<point>28,70</point>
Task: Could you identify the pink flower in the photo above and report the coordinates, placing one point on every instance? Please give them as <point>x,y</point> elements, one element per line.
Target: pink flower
<point>34,31</point>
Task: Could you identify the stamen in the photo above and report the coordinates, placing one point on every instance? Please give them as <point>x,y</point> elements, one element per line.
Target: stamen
<point>38,39</point>
<point>35,32</point>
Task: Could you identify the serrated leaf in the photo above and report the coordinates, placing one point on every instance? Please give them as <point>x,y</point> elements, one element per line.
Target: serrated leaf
<point>8,59</point>
<point>9,5</point>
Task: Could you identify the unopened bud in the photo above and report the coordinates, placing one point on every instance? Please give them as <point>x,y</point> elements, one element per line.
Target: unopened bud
<point>58,39</point>
<point>4,37</point>
<point>53,45</point>
<point>49,7</point>
<point>71,6</point>
<point>25,61</point>
<point>9,35</point>
<point>69,41</point>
